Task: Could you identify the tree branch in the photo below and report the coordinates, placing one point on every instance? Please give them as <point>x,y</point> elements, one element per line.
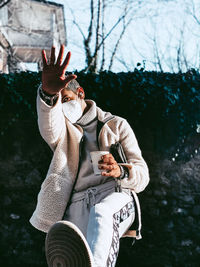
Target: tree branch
<point>103,34</point>
<point>97,36</point>
<point>117,43</point>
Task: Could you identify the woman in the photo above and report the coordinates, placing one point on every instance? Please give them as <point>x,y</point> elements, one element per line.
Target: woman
<point>84,215</point>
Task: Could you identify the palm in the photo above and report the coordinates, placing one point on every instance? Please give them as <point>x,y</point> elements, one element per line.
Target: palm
<point>52,78</point>
<point>53,74</point>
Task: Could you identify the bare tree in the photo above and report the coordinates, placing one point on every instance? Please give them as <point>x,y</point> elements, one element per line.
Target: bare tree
<point>172,54</point>
<point>125,26</point>
<point>95,39</point>
<point>157,57</point>
<point>193,9</point>
<point>179,50</point>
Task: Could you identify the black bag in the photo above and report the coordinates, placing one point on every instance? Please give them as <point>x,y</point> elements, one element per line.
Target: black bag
<point>118,153</point>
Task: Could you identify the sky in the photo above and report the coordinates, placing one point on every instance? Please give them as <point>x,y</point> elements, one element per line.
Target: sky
<point>164,24</point>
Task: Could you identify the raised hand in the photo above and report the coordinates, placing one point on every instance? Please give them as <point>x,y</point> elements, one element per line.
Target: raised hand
<point>53,74</point>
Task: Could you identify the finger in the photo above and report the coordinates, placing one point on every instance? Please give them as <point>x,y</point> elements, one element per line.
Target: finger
<point>109,173</point>
<point>60,56</point>
<point>104,167</point>
<point>66,61</point>
<point>109,161</point>
<point>114,173</point>
<point>108,158</point>
<point>69,78</point>
<point>107,167</point>
<point>52,59</point>
<point>44,58</point>
<point>109,155</point>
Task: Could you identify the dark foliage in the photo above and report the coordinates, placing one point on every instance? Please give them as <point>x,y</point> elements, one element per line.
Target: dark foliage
<point>163,110</point>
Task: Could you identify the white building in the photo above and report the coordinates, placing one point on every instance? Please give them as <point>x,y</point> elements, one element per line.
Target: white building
<point>27,27</point>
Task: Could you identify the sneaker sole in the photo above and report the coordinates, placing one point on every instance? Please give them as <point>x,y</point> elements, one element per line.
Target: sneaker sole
<point>66,246</point>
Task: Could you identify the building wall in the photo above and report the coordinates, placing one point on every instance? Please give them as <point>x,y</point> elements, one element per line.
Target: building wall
<point>31,26</point>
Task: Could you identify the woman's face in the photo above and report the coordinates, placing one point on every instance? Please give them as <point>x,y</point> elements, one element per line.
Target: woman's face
<point>68,95</point>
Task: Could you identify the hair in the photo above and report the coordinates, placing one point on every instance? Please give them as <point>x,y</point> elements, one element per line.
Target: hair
<point>73,85</point>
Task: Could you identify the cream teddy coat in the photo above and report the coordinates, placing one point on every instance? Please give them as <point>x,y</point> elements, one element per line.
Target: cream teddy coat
<point>63,137</point>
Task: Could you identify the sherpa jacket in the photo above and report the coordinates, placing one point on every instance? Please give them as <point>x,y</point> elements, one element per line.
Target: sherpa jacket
<point>64,139</point>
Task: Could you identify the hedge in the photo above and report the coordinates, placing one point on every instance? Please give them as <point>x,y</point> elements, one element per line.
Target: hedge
<point>163,110</point>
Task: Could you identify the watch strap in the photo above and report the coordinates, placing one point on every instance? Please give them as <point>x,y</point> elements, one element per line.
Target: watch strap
<point>48,99</point>
<point>124,172</point>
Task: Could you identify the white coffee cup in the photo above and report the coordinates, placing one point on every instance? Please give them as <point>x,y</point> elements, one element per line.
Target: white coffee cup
<point>96,157</point>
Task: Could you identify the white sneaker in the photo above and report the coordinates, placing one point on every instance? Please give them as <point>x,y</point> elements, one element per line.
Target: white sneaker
<point>66,246</point>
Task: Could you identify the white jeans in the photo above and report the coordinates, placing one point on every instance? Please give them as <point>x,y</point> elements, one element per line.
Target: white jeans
<point>103,216</point>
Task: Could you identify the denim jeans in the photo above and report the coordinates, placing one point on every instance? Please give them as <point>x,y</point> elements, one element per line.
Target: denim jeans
<point>103,216</point>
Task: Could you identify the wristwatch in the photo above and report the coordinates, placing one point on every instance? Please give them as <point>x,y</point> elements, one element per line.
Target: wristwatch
<point>48,99</point>
<point>124,172</point>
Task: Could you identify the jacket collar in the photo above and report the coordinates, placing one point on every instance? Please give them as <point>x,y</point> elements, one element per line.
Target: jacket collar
<point>90,115</point>
<point>102,116</point>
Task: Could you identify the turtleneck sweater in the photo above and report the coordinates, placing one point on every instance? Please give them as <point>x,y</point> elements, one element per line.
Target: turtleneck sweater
<point>86,176</point>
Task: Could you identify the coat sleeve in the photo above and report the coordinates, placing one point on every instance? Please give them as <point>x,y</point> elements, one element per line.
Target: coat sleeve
<point>138,170</point>
<point>51,121</point>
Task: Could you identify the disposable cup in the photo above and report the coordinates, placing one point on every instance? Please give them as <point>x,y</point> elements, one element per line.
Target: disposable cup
<point>96,157</point>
